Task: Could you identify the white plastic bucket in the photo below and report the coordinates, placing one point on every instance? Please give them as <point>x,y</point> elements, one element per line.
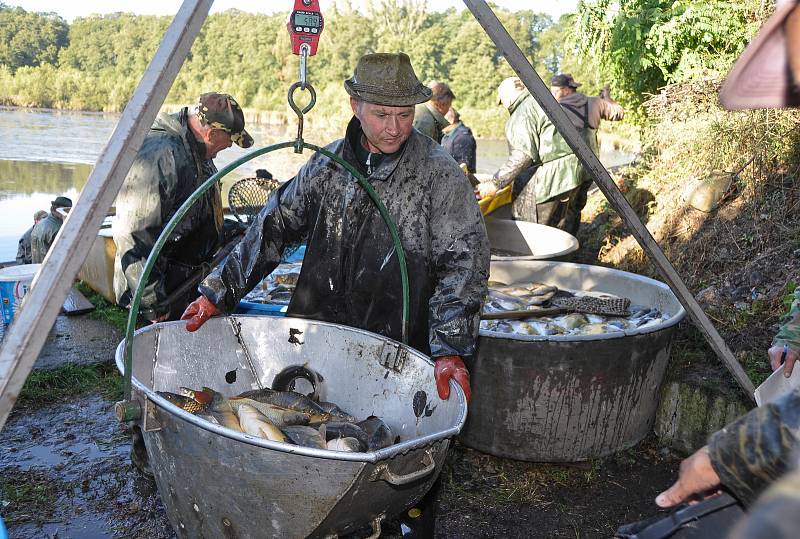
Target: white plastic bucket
<point>14,284</point>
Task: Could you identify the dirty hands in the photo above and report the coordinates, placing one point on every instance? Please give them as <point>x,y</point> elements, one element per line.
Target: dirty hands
<point>775,356</point>
<point>198,312</point>
<point>696,476</point>
<point>448,367</point>
<point>486,189</point>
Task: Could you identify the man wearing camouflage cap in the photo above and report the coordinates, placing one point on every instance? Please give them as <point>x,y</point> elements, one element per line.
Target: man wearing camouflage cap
<point>174,160</point>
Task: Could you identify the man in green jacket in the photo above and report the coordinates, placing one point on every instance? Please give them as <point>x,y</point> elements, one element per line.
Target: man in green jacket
<point>429,117</point>
<point>173,161</point>
<point>44,232</point>
<point>555,193</point>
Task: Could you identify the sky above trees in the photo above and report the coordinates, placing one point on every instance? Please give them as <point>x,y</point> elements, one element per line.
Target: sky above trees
<point>70,10</point>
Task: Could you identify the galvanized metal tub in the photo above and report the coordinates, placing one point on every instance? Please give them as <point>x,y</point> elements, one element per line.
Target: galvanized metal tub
<point>566,399</point>
<point>218,483</point>
<point>522,240</point>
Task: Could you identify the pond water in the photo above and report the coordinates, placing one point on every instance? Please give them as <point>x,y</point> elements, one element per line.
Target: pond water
<point>46,153</point>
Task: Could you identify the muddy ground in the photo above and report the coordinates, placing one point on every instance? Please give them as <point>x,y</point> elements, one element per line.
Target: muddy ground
<point>65,472</point>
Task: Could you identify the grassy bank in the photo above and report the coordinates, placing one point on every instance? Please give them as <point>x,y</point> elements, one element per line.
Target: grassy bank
<point>58,385</point>
<point>739,259</point>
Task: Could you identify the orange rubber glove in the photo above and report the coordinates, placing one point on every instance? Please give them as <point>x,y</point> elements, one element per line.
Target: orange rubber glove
<point>447,367</point>
<point>198,312</point>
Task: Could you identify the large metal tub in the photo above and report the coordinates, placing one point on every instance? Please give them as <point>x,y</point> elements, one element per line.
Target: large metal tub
<point>522,240</point>
<point>218,483</point>
<point>566,399</point>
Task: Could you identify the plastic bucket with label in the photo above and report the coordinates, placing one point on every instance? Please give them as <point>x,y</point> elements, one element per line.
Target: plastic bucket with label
<point>14,284</point>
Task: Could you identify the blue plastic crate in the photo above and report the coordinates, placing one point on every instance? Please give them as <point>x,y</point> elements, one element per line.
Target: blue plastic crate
<point>269,309</point>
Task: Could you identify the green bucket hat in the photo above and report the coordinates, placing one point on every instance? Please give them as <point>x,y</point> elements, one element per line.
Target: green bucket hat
<point>221,111</point>
<point>387,79</point>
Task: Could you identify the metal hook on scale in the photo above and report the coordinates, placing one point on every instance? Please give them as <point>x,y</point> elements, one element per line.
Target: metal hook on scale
<point>305,25</point>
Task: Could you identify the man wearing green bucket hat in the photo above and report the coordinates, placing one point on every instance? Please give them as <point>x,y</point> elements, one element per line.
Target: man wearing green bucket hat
<point>350,272</point>
<point>174,159</point>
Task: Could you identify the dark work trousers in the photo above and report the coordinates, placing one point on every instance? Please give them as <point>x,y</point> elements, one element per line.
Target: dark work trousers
<point>562,211</point>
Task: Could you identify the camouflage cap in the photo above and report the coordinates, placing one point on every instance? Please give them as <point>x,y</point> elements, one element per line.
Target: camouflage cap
<point>221,111</point>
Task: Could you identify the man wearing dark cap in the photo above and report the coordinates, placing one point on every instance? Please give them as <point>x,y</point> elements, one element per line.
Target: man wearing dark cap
<point>429,116</point>
<point>350,273</point>
<point>44,232</point>
<point>175,158</point>
<point>585,112</point>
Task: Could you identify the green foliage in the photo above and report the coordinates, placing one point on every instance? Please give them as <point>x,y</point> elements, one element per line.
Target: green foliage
<point>30,39</point>
<point>641,45</point>
<point>247,55</point>
<point>788,296</point>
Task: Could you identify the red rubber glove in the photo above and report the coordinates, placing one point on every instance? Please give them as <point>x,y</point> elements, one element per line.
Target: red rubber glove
<point>448,367</point>
<point>198,312</point>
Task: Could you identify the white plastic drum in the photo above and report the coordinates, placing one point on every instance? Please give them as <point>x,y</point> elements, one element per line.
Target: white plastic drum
<point>15,281</point>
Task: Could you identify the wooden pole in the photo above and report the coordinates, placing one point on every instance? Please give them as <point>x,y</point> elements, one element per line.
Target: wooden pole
<point>512,53</point>
<point>26,336</point>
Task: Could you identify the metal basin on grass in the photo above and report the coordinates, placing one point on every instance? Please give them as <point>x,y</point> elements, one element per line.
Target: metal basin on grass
<point>521,240</point>
<point>569,398</point>
<point>218,483</point>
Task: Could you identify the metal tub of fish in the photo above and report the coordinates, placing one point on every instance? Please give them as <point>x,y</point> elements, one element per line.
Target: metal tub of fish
<point>216,482</point>
<point>545,394</point>
<point>522,240</point>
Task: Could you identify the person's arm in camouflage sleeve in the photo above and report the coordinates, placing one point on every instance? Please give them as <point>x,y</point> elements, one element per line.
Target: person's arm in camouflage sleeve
<point>757,448</point>
<point>745,456</point>
<point>282,222</point>
<point>787,338</point>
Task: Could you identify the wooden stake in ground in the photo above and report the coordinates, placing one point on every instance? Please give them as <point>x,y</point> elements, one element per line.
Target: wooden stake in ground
<point>512,53</point>
<point>26,336</point>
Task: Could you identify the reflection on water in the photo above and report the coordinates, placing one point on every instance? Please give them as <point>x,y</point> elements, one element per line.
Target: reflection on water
<point>44,154</point>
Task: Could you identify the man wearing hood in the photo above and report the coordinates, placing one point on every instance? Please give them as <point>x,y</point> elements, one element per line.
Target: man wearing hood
<point>174,160</point>
<point>550,185</point>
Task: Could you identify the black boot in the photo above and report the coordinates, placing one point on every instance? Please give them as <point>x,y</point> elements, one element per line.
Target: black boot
<point>419,522</point>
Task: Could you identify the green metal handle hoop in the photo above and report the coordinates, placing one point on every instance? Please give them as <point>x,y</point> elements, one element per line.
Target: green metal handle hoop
<point>162,239</point>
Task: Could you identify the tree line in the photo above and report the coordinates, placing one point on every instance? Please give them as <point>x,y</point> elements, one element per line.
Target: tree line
<point>635,46</point>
